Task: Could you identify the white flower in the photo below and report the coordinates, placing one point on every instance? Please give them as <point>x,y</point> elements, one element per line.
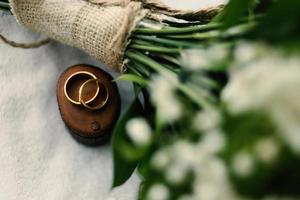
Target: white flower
<point>267,149</point>
<point>243,164</point>
<point>269,84</point>
<point>176,173</point>
<point>212,182</point>
<point>194,59</point>
<point>207,192</point>
<point>261,83</point>
<point>169,109</point>
<point>163,96</point>
<point>217,52</point>
<point>211,179</point>
<point>158,192</point>
<point>245,52</point>
<point>213,141</point>
<point>139,131</point>
<point>161,159</point>
<point>187,197</point>
<point>212,169</point>
<point>199,59</point>
<point>288,122</point>
<point>184,153</point>
<point>207,119</point>
<point>251,87</point>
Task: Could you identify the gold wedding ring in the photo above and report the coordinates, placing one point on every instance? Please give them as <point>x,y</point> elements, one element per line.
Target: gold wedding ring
<point>85,104</point>
<point>81,101</point>
<point>78,74</point>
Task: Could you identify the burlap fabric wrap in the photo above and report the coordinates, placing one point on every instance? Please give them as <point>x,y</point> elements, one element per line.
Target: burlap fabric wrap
<point>99,27</point>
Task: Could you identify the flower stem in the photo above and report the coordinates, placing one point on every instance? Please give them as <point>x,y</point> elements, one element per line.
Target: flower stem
<point>215,34</point>
<point>198,36</point>
<point>169,59</point>
<point>165,41</point>
<point>4,5</point>
<point>155,49</point>
<point>173,30</point>
<point>171,76</point>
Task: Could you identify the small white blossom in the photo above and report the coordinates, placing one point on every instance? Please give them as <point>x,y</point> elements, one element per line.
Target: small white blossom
<point>288,122</point>
<point>199,59</point>
<point>251,87</point>
<point>158,192</point>
<point>163,96</point>
<point>161,159</point>
<point>270,84</point>
<point>214,191</point>
<point>207,192</point>
<point>243,164</point>
<point>213,141</point>
<point>207,119</point>
<point>245,52</point>
<point>212,182</point>
<point>187,197</point>
<point>176,173</point>
<point>139,131</point>
<point>212,169</point>
<point>169,110</point>
<point>217,52</point>
<point>184,153</point>
<point>194,59</point>
<point>260,84</point>
<point>267,149</point>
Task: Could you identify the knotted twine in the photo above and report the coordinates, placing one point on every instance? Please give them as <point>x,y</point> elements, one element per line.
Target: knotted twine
<point>99,27</point>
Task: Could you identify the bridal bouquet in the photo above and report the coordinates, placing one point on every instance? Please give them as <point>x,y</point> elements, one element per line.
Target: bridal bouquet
<point>217,107</point>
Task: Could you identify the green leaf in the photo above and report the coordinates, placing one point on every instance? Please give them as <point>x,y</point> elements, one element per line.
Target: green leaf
<point>282,22</point>
<point>133,78</point>
<point>123,168</point>
<point>133,153</point>
<point>242,132</point>
<point>234,11</point>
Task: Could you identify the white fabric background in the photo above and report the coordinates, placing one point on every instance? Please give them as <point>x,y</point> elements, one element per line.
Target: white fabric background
<point>38,158</point>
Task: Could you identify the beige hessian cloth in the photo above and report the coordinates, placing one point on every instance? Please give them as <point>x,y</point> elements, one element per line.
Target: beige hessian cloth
<point>99,27</point>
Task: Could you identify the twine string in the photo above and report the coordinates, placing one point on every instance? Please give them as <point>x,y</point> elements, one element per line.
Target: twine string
<point>24,45</point>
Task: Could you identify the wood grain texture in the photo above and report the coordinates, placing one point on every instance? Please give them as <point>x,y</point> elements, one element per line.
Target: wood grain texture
<point>87,126</point>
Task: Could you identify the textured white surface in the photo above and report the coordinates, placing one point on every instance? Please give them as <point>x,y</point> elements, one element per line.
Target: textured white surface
<point>38,157</point>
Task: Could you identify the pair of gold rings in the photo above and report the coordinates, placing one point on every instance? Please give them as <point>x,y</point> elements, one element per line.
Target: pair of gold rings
<point>81,101</point>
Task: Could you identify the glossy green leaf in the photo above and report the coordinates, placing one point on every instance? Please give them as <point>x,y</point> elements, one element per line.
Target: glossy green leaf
<point>133,78</point>
<point>234,11</point>
<point>282,22</point>
<point>123,168</point>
